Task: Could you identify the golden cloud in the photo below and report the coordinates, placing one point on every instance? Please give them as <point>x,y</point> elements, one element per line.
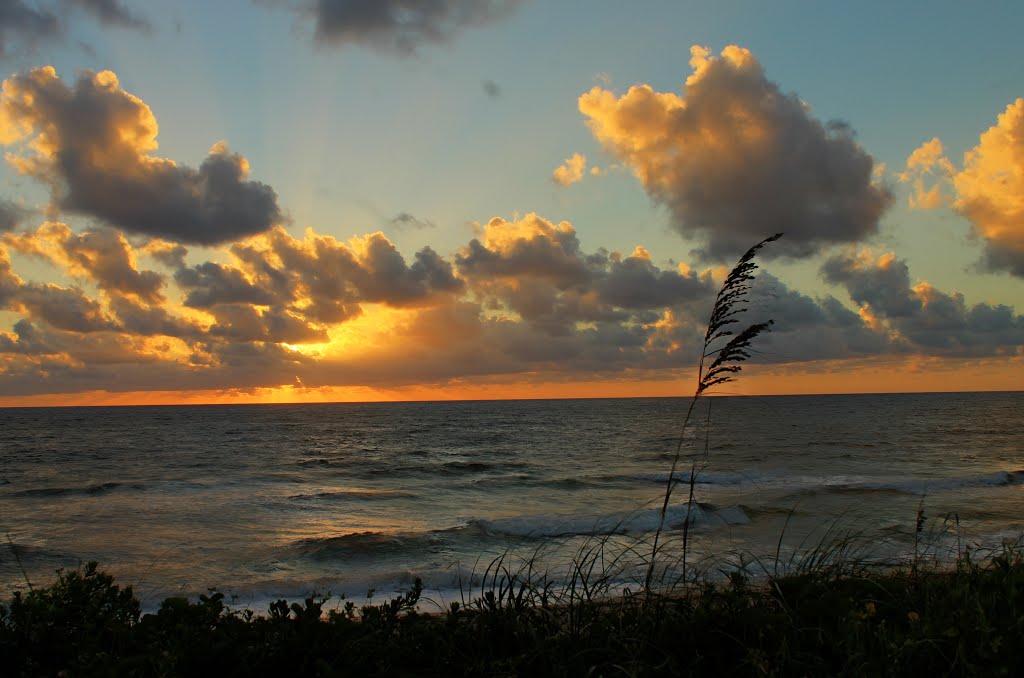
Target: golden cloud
<point>736,158</point>
<point>571,171</point>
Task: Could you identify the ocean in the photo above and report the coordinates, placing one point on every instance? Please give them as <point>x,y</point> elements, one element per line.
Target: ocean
<point>277,501</point>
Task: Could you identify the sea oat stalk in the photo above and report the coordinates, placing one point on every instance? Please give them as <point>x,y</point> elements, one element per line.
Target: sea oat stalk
<point>725,365</point>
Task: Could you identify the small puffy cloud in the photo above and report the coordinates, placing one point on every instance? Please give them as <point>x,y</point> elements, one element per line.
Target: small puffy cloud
<point>404,220</point>
<point>400,26</point>
<point>491,89</point>
<point>571,171</point>
<point>736,158</point>
<point>927,162</point>
<point>93,144</point>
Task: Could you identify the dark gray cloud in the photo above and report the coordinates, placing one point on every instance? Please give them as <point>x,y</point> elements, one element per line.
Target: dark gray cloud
<point>244,323</point>
<point>737,158</point>
<point>150,321</point>
<point>921,318</point>
<point>24,24</point>
<point>402,26</point>
<point>807,329</point>
<point>210,284</point>
<point>404,220</point>
<point>112,13</point>
<point>98,163</point>
<point>61,307</point>
<point>883,284</point>
<point>333,277</point>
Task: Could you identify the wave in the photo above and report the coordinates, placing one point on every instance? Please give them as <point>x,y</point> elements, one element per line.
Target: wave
<point>31,553</point>
<point>837,483</point>
<point>353,493</point>
<point>90,490</point>
<point>382,544</point>
<point>365,544</point>
<point>634,523</point>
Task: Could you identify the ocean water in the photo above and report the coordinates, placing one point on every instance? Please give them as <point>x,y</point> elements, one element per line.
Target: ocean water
<point>271,501</point>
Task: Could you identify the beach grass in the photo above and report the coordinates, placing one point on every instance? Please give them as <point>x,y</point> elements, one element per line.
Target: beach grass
<point>966,618</point>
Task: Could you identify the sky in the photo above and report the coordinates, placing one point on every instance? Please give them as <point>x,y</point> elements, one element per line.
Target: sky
<point>351,200</point>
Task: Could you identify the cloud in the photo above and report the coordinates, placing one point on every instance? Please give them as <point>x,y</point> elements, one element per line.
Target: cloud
<point>10,215</point>
<point>404,220</point>
<point>571,171</point>
<point>990,187</point>
<point>491,89</point>
<point>882,283</point>
<point>401,26</point>
<point>210,284</point>
<point>986,190</point>
<point>531,247</point>
<point>536,269</point>
<point>316,281</point>
<point>93,145</point>
<point>523,298</point>
<point>25,24</point>
<point>919,317</point>
<point>61,307</point>
<point>112,13</point>
<point>245,323</point>
<point>927,162</point>
<point>736,159</point>
<point>100,255</point>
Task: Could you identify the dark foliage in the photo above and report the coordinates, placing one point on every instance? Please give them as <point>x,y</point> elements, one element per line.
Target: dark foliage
<point>965,621</point>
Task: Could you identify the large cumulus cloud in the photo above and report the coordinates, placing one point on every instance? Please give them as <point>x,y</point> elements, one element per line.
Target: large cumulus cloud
<point>736,158</point>
<point>93,144</point>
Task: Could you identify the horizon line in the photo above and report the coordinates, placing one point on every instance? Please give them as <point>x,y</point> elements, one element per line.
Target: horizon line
<point>510,399</point>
